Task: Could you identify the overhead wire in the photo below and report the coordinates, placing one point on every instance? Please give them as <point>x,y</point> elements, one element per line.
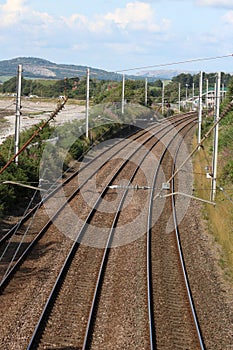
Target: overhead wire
<point>5,108</point>
<point>153,66</point>
<point>22,239</point>
<point>175,63</point>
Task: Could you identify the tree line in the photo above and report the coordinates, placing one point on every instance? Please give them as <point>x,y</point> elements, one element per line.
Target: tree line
<point>102,91</point>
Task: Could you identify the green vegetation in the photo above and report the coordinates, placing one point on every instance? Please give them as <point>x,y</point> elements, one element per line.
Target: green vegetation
<point>25,172</point>
<point>54,157</point>
<point>103,91</point>
<point>219,219</point>
<point>105,99</point>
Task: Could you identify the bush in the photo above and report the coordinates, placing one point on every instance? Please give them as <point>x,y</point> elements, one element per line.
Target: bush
<point>27,170</point>
<point>227,174</point>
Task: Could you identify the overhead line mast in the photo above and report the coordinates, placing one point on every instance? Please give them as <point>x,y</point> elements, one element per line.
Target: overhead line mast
<point>216,129</point>
<point>18,111</point>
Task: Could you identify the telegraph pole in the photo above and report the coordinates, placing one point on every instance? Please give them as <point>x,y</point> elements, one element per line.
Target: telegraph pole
<point>87,102</point>
<point>186,95</point>
<point>207,93</point>
<point>200,108</point>
<point>193,94</point>
<point>123,95</point>
<point>179,97</point>
<point>215,150</point>
<point>223,92</point>
<point>146,88</point>
<point>18,111</point>
<point>163,97</point>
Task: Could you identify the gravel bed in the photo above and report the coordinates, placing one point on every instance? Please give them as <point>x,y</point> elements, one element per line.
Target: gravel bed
<point>122,320</point>
<point>212,293</point>
<point>125,313</point>
<point>22,300</point>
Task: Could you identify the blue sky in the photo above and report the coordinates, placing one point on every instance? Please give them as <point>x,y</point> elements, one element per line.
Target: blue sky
<point>120,34</point>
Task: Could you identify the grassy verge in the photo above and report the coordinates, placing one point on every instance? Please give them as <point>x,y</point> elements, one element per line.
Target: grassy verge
<point>219,219</point>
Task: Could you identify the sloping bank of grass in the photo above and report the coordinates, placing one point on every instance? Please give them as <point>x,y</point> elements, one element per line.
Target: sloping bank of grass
<point>219,219</point>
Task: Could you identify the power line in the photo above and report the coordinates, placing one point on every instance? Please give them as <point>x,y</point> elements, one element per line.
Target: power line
<point>5,108</point>
<point>60,106</point>
<point>175,63</point>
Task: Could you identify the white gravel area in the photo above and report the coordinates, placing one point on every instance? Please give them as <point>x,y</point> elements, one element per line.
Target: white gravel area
<point>33,112</point>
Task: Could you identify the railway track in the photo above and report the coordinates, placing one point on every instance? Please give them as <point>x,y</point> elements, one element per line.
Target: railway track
<point>80,312</point>
<point>175,320</point>
<point>30,229</point>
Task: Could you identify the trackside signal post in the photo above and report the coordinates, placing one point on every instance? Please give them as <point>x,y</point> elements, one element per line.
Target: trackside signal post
<point>18,112</point>
<point>163,94</point>
<point>87,102</point>
<point>179,97</point>
<point>123,95</point>
<point>200,108</point>
<point>146,91</point>
<point>215,150</point>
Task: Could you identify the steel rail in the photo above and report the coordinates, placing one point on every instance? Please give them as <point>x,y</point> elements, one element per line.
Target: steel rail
<point>45,227</point>
<point>43,230</point>
<point>67,180</point>
<point>52,192</point>
<point>108,245</point>
<point>106,253</point>
<point>33,211</point>
<point>149,262</point>
<point>67,263</point>
<point>182,262</point>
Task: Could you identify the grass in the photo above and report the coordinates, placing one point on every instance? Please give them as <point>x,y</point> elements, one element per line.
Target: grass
<point>219,218</point>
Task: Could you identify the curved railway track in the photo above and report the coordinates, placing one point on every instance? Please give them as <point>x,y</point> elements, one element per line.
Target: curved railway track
<point>175,319</point>
<point>14,251</point>
<point>80,311</point>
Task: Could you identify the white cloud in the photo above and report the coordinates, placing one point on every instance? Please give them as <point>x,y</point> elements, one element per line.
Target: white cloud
<point>11,12</point>
<point>133,30</point>
<point>228,18</point>
<point>13,5</point>
<point>136,16</point>
<point>135,13</point>
<point>76,20</point>
<point>16,12</point>
<point>216,3</point>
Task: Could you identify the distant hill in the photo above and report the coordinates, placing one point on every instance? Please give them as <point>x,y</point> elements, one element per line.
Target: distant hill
<point>38,68</point>
<point>164,74</point>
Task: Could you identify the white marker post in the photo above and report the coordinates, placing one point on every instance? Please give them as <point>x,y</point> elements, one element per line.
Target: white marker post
<point>179,97</point>
<point>215,150</point>
<point>146,91</point>
<point>18,112</point>
<point>123,95</point>
<point>87,102</point>
<point>200,108</point>
<point>163,93</point>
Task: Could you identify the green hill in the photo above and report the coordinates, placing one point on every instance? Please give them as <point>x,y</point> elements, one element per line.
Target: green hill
<point>39,68</point>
